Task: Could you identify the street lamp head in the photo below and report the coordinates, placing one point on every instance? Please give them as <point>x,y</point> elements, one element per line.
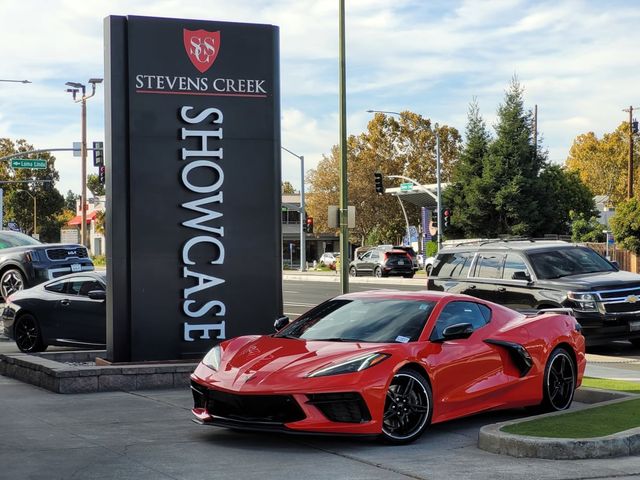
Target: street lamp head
<point>95,80</point>
<point>74,85</point>
<point>25,81</point>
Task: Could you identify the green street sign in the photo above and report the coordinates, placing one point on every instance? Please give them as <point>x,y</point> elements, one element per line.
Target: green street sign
<point>28,163</point>
<point>406,187</point>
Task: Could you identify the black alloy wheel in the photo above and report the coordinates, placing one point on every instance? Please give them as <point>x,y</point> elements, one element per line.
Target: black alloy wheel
<point>377,272</point>
<point>559,381</point>
<point>353,272</point>
<point>407,408</point>
<point>28,335</point>
<point>11,281</point>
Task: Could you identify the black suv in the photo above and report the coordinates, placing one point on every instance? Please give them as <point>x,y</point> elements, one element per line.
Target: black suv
<point>546,274</point>
<point>25,262</point>
<point>382,263</point>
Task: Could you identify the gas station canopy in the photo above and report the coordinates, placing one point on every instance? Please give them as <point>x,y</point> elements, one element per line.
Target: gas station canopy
<point>419,195</point>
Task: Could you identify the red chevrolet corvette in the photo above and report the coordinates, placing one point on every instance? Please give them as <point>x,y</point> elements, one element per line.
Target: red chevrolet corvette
<point>390,363</point>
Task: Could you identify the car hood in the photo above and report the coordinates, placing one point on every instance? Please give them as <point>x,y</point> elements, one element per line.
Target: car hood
<point>599,281</point>
<point>24,248</point>
<point>253,362</point>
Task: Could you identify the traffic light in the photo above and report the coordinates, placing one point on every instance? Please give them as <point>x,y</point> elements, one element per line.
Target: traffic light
<point>378,181</point>
<point>446,218</point>
<point>98,157</point>
<point>634,126</point>
<point>309,226</point>
<point>434,217</point>
<point>101,174</point>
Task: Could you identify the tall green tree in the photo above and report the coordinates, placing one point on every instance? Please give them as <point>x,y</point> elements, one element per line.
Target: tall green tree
<point>287,188</point>
<point>18,205</point>
<point>465,196</point>
<point>70,201</point>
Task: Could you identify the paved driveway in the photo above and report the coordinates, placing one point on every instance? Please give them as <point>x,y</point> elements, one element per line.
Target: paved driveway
<point>149,435</point>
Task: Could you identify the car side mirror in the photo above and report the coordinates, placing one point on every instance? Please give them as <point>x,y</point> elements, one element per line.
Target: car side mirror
<point>521,276</point>
<point>615,264</point>
<point>280,323</point>
<point>459,330</point>
<point>97,295</point>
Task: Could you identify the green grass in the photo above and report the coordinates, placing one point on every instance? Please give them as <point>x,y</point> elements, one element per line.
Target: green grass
<point>607,384</point>
<point>594,422</point>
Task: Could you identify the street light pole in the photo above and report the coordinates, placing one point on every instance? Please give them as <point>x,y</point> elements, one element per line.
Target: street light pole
<point>303,243</point>
<point>75,87</point>
<point>16,81</point>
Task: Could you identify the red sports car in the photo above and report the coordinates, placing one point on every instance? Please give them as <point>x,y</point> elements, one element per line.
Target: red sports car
<point>390,363</point>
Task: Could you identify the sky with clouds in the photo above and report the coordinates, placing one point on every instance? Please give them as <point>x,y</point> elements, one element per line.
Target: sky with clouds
<point>577,60</point>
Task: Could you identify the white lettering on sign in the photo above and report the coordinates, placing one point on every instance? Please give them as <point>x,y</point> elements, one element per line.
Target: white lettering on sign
<point>209,246</point>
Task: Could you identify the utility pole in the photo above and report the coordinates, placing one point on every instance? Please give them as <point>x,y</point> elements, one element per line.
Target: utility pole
<point>344,224</point>
<point>630,166</point>
<point>535,132</point>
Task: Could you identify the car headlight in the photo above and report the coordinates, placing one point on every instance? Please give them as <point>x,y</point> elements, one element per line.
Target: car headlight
<point>586,302</point>
<point>212,358</point>
<point>350,366</point>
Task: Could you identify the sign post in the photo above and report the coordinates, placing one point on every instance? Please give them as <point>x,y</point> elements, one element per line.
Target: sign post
<point>192,155</point>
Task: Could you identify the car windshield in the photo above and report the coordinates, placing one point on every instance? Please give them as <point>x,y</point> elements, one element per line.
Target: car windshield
<point>362,320</point>
<point>564,262</point>
<point>16,239</point>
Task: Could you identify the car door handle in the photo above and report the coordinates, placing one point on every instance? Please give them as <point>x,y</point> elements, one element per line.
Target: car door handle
<point>501,289</point>
<point>65,302</point>
<point>472,287</point>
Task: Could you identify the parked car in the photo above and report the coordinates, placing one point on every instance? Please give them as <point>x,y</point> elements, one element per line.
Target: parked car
<point>428,265</point>
<point>389,363</point>
<point>328,259</point>
<point>24,261</point>
<point>546,274</point>
<point>412,254</point>
<point>381,263</point>
<point>68,311</point>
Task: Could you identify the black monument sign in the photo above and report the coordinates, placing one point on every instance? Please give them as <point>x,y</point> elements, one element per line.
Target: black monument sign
<point>193,185</point>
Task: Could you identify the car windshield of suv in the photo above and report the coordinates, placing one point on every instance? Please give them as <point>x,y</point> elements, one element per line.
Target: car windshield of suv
<point>564,262</point>
<point>362,320</point>
<point>16,239</point>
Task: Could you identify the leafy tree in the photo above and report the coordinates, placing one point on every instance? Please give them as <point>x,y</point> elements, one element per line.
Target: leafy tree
<point>586,229</point>
<point>287,188</point>
<point>469,204</point>
<point>94,185</point>
<point>70,201</point>
<point>18,206</point>
<point>625,225</point>
<point>561,193</point>
<point>603,163</point>
<point>404,146</point>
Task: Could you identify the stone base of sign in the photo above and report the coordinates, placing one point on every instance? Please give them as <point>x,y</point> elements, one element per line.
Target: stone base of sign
<point>83,372</point>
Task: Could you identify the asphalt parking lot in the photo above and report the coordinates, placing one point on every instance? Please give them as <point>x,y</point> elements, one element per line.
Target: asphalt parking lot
<point>149,435</point>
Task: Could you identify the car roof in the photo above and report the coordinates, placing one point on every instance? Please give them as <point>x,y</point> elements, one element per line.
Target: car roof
<point>98,274</point>
<point>518,245</point>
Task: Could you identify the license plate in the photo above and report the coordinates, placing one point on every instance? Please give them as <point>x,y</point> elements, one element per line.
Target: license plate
<point>634,326</point>
<point>76,267</point>
<point>400,262</point>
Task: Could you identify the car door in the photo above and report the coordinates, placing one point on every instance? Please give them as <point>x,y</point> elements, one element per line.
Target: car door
<point>465,372</point>
<point>451,273</point>
<point>515,291</point>
<point>82,319</point>
<point>487,274</point>
<point>364,263</point>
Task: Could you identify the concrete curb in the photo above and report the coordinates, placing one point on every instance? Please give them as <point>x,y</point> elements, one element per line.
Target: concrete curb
<point>68,372</point>
<point>492,439</point>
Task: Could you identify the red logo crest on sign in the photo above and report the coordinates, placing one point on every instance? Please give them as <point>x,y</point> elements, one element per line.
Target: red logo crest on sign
<point>202,47</point>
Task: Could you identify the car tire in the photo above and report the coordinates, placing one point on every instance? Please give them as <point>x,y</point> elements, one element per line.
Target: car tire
<point>377,272</point>
<point>28,334</point>
<point>12,280</point>
<point>559,382</point>
<point>408,408</point>
<point>353,272</point>
<point>428,269</point>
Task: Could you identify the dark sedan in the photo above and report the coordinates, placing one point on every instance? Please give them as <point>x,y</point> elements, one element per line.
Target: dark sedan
<point>68,311</point>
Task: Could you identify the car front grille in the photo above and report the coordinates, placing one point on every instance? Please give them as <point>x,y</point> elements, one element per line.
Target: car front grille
<point>65,253</point>
<point>623,307</point>
<point>247,408</point>
<point>341,407</point>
